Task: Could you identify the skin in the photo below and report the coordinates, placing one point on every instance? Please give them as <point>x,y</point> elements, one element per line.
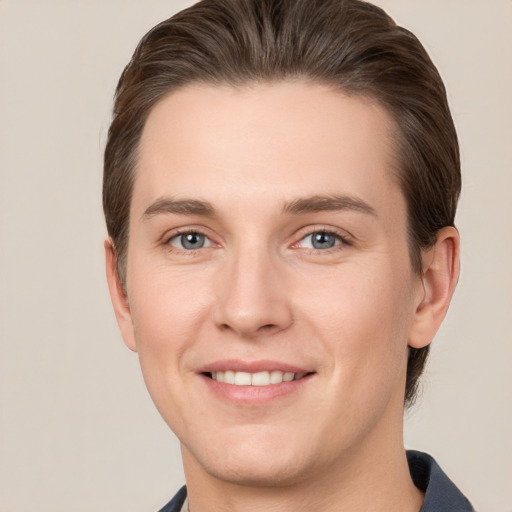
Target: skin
<point>245,167</point>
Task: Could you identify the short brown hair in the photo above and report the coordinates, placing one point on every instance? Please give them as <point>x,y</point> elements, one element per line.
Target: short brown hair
<point>350,44</point>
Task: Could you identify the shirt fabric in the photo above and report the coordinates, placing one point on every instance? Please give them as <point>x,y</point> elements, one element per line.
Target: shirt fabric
<point>441,494</point>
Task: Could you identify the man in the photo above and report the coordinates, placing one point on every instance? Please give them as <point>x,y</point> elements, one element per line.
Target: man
<point>281,179</point>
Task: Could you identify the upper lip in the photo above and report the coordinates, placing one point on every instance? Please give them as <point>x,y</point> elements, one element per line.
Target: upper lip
<point>239,365</point>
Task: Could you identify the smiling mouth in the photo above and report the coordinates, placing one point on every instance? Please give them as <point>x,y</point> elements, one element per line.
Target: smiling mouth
<point>255,379</point>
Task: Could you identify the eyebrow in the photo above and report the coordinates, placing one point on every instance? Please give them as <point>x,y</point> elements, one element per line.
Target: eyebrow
<point>298,206</point>
<point>316,204</point>
<point>181,206</point>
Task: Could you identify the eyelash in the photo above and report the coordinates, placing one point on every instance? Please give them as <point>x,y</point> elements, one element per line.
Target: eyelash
<point>185,231</point>
<point>341,240</point>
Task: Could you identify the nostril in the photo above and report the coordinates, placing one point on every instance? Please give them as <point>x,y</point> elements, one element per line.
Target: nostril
<point>266,327</point>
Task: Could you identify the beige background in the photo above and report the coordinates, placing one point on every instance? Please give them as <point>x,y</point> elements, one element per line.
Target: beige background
<point>78,431</point>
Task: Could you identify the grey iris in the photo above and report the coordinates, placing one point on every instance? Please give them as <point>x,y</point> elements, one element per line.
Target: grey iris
<point>323,240</point>
<point>192,240</point>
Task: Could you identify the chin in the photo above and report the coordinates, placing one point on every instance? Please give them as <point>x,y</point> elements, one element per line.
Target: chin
<point>260,473</point>
<point>253,463</point>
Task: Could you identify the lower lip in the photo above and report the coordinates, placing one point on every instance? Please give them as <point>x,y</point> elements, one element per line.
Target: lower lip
<point>254,395</point>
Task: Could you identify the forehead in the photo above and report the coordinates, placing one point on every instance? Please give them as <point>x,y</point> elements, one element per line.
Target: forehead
<point>268,141</point>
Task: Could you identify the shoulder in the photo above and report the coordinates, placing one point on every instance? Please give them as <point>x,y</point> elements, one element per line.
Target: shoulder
<point>441,494</point>
<point>176,503</point>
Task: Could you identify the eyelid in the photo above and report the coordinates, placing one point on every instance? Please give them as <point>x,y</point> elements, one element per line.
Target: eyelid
<point>174,233</point>
<point>208,241</point>
<point>346,238</point>
<point>343,236</point>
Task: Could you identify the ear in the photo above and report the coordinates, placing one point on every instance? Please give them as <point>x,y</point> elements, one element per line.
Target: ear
<point>440,275</point>
<point>118,296</point>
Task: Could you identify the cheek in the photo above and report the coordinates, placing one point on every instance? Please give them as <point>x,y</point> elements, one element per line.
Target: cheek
<point>357,299</point>
<point>362,315</point>
<point>166,324</point>
<point>168,315</point>
<point>166,306</point>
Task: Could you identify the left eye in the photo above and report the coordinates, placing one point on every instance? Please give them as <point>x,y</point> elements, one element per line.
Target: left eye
<point>320,240</point>
<point>190,241</point>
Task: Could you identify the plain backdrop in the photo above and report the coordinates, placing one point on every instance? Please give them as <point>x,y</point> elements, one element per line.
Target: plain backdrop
<point>78,430</point>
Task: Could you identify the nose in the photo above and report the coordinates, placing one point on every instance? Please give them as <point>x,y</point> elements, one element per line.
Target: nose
<point>252,295</point>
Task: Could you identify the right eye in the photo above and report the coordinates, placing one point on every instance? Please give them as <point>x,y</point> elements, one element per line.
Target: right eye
<point>190,241</point>
<point>321,240</point>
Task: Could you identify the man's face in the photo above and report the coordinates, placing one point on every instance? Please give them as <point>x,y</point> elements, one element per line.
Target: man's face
<point>268,242</point>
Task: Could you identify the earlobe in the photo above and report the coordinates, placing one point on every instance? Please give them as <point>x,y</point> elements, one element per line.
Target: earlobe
<point>118,296</point>
<point>440,275</point>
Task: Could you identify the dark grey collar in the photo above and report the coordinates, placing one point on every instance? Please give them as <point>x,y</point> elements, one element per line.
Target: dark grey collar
<point>441,495</point>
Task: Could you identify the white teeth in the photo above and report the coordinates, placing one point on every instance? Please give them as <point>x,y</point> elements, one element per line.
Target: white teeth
<point>242,378</point>
<point>255,379</point>
<point>260,379</point>
<point>276,377</point>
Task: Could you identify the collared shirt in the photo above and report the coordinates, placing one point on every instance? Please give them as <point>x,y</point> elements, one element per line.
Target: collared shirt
<point>441,494</point>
